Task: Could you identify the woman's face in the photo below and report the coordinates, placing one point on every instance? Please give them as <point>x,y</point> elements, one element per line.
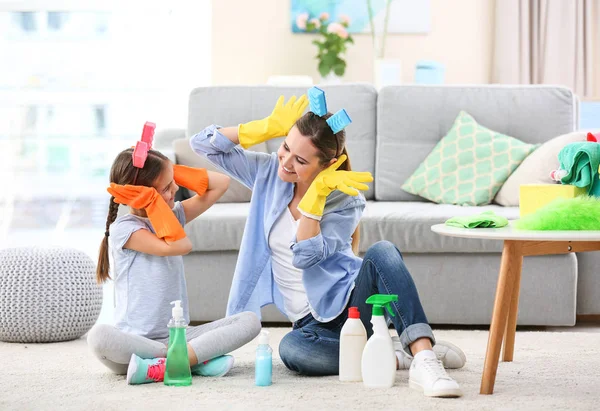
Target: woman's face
<point>298,159</point>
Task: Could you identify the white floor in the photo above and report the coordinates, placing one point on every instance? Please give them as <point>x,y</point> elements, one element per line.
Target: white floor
<point>551,371</point>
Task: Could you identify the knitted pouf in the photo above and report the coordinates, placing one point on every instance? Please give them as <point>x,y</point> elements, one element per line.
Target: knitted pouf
<point>47,294</point>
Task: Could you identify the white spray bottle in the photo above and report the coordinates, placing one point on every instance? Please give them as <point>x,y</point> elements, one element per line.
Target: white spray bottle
<point>379,359</point>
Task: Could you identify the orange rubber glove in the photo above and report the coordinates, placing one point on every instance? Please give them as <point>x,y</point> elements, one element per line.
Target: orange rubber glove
<point>196,179</point>
<point>161,217</point>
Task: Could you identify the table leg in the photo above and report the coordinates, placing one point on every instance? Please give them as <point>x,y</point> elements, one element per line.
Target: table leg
<point>511,325</point>
<point>506,279</point>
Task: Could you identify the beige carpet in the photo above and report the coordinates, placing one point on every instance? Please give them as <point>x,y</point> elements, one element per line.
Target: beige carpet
<point>552,370</point>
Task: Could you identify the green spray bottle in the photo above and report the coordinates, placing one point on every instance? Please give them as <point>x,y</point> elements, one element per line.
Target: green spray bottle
<point>378,363</point>
<point>177,367</point>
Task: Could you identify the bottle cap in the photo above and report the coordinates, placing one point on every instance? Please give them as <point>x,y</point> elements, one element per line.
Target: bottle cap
<point>263,338</point>
<point>353,312</point>
<point>381,300</point>
<point>177,311</point>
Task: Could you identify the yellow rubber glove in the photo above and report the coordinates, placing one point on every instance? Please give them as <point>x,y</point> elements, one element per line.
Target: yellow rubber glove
<point>196,179</point>
<point>162,218</point>
<point>278,124</point>
<point>328,180</point>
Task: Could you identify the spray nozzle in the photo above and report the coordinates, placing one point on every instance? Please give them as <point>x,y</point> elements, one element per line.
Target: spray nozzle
<point>177,310</point>
<point>263,338</point>
<point>381,300</point>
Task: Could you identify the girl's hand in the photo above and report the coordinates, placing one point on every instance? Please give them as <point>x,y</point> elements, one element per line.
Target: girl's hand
<point>196,179</point>
<point>161,216</point>
<point>138,197</point>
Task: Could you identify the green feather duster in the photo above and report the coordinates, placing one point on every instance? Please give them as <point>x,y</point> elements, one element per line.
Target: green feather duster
<point>579,213</point>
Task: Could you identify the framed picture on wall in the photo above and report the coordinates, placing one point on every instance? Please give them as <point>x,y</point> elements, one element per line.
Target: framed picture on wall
<point>404,16</point>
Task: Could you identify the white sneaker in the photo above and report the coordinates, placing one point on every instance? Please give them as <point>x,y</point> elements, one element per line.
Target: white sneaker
<point>450,355</point>
<point>427,374</point>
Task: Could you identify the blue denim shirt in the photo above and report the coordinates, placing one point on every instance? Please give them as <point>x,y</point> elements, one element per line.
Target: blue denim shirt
<point>328,263</point>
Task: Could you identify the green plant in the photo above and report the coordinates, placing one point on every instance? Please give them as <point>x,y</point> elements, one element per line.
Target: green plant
<point>332,44</point>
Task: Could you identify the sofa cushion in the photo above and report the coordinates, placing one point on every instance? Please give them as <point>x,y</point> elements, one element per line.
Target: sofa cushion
<point>536,168</point>
<point>407,224</point>
<point>468,166</point>
<point>231,105</point>
<point>411,120</point>
<point>184,155</point>
<point>219,228</point>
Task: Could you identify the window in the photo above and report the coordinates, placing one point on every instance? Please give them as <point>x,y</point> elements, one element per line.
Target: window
<point>84,77</point>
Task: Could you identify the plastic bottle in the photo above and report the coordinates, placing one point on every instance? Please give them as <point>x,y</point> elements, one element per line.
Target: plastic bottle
<point>264,361</point>
<point>379,359</point>
<point>177,367</point>
<point>353,338</point>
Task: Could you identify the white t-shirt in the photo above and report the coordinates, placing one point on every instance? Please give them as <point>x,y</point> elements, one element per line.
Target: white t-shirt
<point>287,277</point>
<point>145,284</point>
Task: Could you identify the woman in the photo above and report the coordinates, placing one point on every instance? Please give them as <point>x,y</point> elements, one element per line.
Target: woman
<point>297,247</point>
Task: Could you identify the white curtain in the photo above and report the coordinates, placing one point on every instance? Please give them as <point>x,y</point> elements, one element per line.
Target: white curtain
<point>548,42</point>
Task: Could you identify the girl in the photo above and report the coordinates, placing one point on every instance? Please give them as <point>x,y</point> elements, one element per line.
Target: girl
<point>300,243</point>
<point>146,247</point>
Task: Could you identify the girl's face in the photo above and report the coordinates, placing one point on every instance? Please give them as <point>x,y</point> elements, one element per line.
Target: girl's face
<point>298,159</point>
<point>165,185</point>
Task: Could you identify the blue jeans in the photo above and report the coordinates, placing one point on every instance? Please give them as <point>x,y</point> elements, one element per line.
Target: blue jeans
<point>312,347</point>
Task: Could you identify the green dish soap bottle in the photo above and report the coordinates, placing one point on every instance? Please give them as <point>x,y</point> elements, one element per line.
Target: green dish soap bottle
<point>177,367</point>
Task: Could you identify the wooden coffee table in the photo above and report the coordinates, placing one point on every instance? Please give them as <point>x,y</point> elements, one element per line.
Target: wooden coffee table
<point>517,244</point>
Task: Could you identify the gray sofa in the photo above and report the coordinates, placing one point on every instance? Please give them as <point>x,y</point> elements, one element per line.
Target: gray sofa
<point>392,132</point>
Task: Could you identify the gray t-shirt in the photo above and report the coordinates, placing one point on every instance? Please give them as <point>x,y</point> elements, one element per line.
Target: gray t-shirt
<point>145,284</point>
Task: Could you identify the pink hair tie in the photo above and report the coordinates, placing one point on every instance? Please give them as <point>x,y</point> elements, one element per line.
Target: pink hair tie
<point>140,153</point>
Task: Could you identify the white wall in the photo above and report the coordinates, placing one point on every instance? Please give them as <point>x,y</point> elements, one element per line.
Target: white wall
<point>252,40</point>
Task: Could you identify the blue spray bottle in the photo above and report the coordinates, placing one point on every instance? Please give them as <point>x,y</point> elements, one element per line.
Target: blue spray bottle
<point>264,360</point>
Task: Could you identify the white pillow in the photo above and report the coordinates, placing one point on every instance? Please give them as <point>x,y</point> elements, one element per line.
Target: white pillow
<point>536,168</point>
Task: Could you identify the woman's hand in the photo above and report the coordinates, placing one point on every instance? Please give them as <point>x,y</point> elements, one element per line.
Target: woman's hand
<point>278,124</point>
<point>328,180</point>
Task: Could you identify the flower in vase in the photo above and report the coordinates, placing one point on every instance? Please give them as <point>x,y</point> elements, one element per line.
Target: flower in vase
<point>316,23</point>
<point>331,44</point>
<point>345,20</point>
<point>337,28</point>
<point>301,20</point>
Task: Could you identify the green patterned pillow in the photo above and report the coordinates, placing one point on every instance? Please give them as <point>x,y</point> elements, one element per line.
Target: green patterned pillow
<point>468,166</point>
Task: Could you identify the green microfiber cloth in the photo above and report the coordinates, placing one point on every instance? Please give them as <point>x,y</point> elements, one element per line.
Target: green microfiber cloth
<point>487,219</point>
<point>581,161</point>
<point>579,213</point>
